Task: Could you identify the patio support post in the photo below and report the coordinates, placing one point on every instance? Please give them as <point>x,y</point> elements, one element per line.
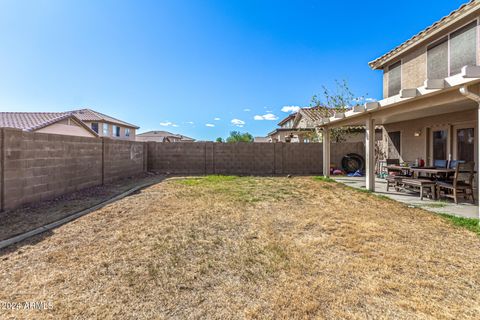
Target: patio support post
<point>326,151</point>
<point>370,154</point>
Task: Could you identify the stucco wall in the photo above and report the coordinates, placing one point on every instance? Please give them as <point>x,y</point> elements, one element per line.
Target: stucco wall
<point>418,147</point>
<point>414,60</point>
<point>414,69</point>
<point>110,131</point>
<point>66,127</point>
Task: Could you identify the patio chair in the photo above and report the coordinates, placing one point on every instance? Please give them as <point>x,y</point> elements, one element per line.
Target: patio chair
<point>453,163</point>
<point>462,183</point>
<point>440,163</point>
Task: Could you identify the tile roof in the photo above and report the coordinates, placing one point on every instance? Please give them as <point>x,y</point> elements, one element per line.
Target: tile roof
<point>284,120</point>
<point>30,121</point>
<point>463,9</point>
<point>91,115</point>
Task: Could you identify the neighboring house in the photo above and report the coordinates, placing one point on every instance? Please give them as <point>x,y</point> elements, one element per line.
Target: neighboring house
<point>303,127</point>
<point>431,87</point>
<point>262,139</point>
<point>288,133</point>
<point>106,126</point>
<point>162,136</point>
<point>63,123</point>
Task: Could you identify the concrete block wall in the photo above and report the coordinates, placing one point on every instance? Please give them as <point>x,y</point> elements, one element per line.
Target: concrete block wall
<point>122,158</point>
<point>244,158</point>
<point>39,166</point>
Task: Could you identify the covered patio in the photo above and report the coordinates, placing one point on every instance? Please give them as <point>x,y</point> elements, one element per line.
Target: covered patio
<point>463,209</point>
<point>426,123</point>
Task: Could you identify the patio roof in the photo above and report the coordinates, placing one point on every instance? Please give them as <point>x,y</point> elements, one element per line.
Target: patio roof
<point>430,99</point>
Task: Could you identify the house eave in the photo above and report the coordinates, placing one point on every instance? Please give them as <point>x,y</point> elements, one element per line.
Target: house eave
<point>426,34</point>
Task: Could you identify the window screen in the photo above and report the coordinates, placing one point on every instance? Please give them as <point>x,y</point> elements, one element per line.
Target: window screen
<point>463,44</point>
<point>394,79</point>
<point>437,60</point>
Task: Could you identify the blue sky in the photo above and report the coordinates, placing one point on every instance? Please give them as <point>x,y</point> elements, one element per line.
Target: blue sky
<point>193,67</point>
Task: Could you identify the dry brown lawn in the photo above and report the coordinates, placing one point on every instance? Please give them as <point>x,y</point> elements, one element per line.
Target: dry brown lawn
<point>227,247</point>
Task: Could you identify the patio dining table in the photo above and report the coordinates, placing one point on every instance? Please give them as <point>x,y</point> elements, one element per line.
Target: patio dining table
<point>402,169</point>
<point>432,171</point>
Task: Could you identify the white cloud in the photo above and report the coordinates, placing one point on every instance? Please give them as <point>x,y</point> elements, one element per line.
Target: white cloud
<point>247,110</point>
<point>190,122</point>
<point>268,116</point>
<point>370,99</point>
<point>168,124</point>
<point>210,125</point>
<point>238,122</point>
<point>291,109</point>
<point>216,119</point>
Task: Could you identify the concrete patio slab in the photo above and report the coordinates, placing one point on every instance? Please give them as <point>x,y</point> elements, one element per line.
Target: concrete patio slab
<point>463,209</point>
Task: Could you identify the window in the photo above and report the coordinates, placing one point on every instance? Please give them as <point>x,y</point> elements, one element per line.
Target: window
<point>127,132</point>
<point>116,131</point>
<point>105,129</point>
<point>437,60</point>
<point>465,144</point>
<point>439,144</point>
<point>394,79</point>
<point>95,126</point>
<point>395,139</point>
<point>463,45</point>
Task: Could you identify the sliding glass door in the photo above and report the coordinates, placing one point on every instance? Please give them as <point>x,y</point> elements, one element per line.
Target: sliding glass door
<point>439,144</point>
<point>465,147</point>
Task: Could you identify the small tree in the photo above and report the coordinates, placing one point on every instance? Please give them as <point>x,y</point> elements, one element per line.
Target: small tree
<point>219,139</point>
<point>335,101</point>
<point>236,136</point>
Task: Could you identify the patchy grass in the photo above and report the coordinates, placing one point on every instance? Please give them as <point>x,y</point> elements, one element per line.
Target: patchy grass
<point>248,247</point>
<point>467,223</point>
<point>324,179</point>
<point>437,204</point>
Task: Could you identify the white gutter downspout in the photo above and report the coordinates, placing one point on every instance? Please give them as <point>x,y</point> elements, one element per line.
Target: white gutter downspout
<point>475,97</point>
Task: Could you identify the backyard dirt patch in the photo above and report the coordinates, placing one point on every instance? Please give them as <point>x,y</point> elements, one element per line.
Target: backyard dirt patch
<point>35,215</point>
<point>229,247</point>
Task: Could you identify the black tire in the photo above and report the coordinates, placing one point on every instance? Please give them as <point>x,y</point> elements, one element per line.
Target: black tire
<point>353,162</point>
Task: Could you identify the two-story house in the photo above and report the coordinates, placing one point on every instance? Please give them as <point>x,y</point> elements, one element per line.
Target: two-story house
<point>302,127</point>
<point>431,87</point>
<point>106,126</point>
<point>287,132</point>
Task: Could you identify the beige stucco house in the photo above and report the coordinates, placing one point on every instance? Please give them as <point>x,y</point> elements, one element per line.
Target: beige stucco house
<point>303,127</point>
<point>63,123</point>
<point>430,105</point>
<point>106,126</point>
<point>287,132</point>
<point>162,136</point>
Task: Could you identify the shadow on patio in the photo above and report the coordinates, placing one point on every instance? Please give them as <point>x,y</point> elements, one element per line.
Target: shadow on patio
<point>463,209</point>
